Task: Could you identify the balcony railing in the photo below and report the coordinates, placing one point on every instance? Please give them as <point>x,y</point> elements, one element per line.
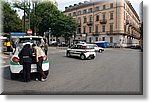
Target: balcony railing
<point>115,32</point>
<point>96,33</point>
<point>79,24</point>
<point>90,23</point>
<point>127,22</point>
<point>103,21</point>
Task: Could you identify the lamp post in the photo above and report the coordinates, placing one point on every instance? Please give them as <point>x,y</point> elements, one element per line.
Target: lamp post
<point>29,15</point>
<point>24,19</point>
<point>49,34</point>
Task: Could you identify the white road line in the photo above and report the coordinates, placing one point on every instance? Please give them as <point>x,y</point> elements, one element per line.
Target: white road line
<point>5,66</point>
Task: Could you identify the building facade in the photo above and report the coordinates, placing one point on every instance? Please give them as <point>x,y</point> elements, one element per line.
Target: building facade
<point>114,21</point>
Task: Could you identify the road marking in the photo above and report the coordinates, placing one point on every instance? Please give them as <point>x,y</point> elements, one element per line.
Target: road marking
<point>5,66</point>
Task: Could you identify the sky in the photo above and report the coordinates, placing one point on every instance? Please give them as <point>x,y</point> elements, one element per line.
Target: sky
<point>63,3</point>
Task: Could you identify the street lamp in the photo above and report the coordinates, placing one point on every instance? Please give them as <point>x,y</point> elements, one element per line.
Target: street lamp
<point>49,34</point>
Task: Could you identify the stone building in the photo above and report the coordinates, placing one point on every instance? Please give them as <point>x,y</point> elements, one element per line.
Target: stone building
<point>114,21</point>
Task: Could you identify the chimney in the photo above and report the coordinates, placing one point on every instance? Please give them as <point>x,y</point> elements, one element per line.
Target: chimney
<point>80,3</point>
<point>70,6</point>
<point>85,2</point>
<point>66,8</point>
<point>75,4</point>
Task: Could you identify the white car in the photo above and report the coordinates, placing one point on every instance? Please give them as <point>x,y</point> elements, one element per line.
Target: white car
<point>84,51</point>
<point>98,49</point>
<point>16,68</point>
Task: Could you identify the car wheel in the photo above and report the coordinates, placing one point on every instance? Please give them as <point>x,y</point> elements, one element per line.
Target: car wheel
<point>82,56</point>
<point>93,57</point>
<point>68,54</point>
<point>100,51</point>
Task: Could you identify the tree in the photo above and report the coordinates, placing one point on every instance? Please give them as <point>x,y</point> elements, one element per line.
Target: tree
<point>65,26</point>
<point>43,17</point>
<point>11,21</point>
<point>46,15</point>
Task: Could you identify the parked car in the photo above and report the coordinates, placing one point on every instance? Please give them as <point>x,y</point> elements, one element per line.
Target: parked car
<point>98,49</point>
<point>16,68</point>
<point>84,51</point>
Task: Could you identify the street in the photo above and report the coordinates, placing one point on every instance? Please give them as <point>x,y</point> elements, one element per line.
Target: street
<point>115,71</point>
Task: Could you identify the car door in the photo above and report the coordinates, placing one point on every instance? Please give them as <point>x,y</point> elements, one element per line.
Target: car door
<point>73,49</point>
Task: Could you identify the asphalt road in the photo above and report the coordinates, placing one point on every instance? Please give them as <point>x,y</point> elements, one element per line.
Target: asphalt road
<point>115,71</point>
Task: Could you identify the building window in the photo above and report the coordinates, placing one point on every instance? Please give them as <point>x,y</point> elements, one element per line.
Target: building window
<point>97,8</point>
<point>111,27</point>
<point>97,17</point>
<point>79,31</point>
<point>111,5</point>
<point>90,39</point>
<point>96,29</point>
<point>85,11</point>
<point>69,14</point>
<point>104,7</point>
<point>103,38</point>
<point>79,12</point>
<point>84,19</point>
<point>111,39</point>
<point>104,15</point>
<point>103,28</point>
<point>79,20</point>
<point>74,13</point>
<point>84,29</point>
<point>90,18</point>
<point>96,39</point>
<point>90,29</point>
<point>90,10</point>
<point>111,15</point>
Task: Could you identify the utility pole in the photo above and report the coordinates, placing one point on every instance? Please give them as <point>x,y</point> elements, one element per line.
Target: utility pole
<point>29,16</point>
<point>34,10</point>
<point>24,19</point>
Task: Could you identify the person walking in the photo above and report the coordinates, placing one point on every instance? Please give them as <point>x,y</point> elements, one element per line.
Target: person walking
<point>46,48</point>
<point>39,61</point>
<point>25,57</point>
<point>13,46</point>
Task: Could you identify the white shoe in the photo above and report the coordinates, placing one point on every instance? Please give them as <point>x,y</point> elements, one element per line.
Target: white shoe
<point>43,79</point>
<point>37,79</point>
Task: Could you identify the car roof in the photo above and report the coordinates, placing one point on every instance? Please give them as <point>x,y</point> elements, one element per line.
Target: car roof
<point>30,37</point>
<point>84,44</point>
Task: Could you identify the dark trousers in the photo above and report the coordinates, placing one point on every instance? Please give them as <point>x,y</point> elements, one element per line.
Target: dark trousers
<point>26,71</point>
<point>40,70</point>
<point>45,52</point>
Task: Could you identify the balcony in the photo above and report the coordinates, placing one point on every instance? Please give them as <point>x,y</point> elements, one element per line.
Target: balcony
<point>96,33</point>
<point>90,23</point>
<point>110,32</point>
<point>127,22</point>
<point>115,32</point>
<point>79,24</point>
<point>103,21</point>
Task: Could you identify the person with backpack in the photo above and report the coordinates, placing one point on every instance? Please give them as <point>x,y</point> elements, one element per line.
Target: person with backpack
<point>25,57</point>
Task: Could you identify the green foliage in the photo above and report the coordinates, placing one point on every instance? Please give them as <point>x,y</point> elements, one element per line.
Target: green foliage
<point>45,15</point>
<point>11,21</point>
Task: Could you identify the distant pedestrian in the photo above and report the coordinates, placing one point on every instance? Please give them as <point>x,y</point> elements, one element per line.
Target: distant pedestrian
<point>39,61</point>
<point>13,46</point>
<point>46,48</point>
<point>25,57</point>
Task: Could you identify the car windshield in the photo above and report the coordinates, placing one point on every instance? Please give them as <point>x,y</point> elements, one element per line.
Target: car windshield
<point>36,41</point>
<point>90,47</point>
<point>95,45</point>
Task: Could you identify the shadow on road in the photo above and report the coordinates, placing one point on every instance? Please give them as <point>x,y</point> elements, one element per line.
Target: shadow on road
<point>74,57</point>
<point>6,75</point>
